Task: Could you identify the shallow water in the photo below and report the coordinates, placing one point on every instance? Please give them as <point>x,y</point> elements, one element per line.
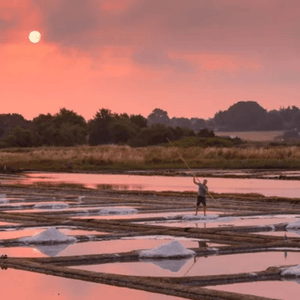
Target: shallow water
<point>267,187</point>
<point>200,266</point>
<point>139,215</point>
<point>16,284</point>
<point>223,221</point>
<point>26,232</point>
<point>285,290</point>
<point>97,247</point>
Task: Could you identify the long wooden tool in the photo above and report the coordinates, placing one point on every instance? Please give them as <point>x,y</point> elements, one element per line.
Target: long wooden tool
<point>188,167</point>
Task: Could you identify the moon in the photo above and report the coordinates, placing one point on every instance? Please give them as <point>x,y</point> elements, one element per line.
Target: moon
<point>34,37</point>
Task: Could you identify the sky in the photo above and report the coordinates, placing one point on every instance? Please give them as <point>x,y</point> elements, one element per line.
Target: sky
<point>191,58</point>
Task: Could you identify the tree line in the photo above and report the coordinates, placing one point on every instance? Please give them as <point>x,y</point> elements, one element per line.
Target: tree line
<point>242,116</point>
<point>67,128</point>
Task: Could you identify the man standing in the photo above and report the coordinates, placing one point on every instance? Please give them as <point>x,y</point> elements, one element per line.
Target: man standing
<point>202,189</point>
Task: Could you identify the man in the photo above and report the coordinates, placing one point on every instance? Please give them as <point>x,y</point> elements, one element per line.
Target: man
<point>202,189</point>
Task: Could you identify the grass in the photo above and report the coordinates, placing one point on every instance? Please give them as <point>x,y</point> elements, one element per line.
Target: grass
<point>255,136</point>
<point>111,157</point>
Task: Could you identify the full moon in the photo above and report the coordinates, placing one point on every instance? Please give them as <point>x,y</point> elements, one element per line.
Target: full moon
<point>34,37</point>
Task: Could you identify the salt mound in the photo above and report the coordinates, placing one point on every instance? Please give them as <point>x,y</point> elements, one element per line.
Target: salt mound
<point>117,211</point>
<point>292,271</point>
<point>173,249</point>
<point>51,235</point>
<point>293,225</point>
<point>3,198</point>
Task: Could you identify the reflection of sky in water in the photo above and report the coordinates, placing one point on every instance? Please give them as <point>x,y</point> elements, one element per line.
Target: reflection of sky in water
<point>226,221</point>
<point>203,266</point>
<point>17,233</point>
<point>16,284</point>
<point>287,188</point>
<point>285,290</point>
<point>98,247</point>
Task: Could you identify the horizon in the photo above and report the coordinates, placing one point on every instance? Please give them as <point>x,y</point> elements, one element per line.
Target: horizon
<point>190,58</point>
<point>144,115</point>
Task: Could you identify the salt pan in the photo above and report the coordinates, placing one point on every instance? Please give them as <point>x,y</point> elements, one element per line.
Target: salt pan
<point>199,217</point>
<point>117,211</point>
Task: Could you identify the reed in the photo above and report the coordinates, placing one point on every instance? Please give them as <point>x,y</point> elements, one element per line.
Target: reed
<point>89,158</point>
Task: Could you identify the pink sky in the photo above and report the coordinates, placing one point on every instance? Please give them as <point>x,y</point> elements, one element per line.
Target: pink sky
<point>191,58</point>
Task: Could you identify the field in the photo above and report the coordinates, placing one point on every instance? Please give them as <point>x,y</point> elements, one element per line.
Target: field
<point>111,157</point>
<point>254,136</point>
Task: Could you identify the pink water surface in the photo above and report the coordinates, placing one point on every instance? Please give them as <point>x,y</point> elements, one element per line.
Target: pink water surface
<point>203,266</point>
<point>22,285</point>
<point>283,188</point>
<point>284,290</point>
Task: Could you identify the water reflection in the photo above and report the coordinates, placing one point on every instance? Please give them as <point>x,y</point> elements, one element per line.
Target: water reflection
<point>97,247</point>
<point>286,188</point>
<point>201,266</point>
<point>16,284</point>
<point>285,290</point>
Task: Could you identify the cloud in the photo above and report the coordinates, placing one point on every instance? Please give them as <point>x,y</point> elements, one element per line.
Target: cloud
<point>159,58</point>
<point>219,26</point>
<point>9,19</point>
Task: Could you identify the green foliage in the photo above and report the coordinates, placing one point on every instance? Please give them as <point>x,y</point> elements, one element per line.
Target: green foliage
<point>19,137</point>
<point>139,121</point>
<point>153,135</point>
<point>206,133</point>
<point>203,142</point>
<point>158,116</point>
<point>109,128</point>
<point>242,116</point>
<point>66,128</point>
<point>250,116</point>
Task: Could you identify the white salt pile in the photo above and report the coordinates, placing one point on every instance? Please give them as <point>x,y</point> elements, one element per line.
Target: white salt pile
<point>291,271</point>
<point>3,198</point>
<point>51,235</point>
<point>173,249</point>
<point>293,225</point>
<point>117,211</point>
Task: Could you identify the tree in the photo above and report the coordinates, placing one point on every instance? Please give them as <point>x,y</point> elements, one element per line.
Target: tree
<point>66,128</point>
<point>99,132</point>
<point>139,121</point>
<point>206,133</point>
<point>19,137</point>
<point>158,116</point>
<point>181,122</point>
<point>241,116</point>
<point>153,135</point>
<point>198,124</point>
<point>273,121</point>
<point>122,130</point>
